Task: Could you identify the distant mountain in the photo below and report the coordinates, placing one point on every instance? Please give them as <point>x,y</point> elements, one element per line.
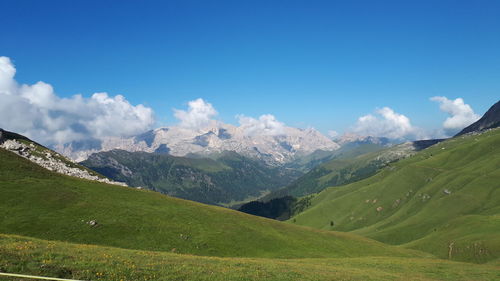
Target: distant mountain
<point>354,139</point>
<point>274,149</point>
<point>226,177</point>
<point>307,162</point>
<point>491,119</point>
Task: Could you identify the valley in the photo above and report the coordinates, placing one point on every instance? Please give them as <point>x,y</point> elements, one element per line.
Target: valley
<point>429,209</point>
<point>222,179</point>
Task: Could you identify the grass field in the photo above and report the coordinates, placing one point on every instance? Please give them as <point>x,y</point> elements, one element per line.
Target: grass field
<point>87,262</point>
<point>444,200</point>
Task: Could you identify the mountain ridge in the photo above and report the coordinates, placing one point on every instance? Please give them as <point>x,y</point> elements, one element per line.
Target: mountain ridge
<point>274,149</point>
<point>491,119</point>
<point>46,158</point>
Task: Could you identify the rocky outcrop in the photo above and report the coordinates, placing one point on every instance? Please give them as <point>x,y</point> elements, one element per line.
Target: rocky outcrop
<point>490,120</point>
<point>50,160</point>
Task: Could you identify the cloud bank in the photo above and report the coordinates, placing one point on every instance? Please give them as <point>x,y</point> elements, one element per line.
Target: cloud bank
<point>266,125</point>
<point>461,114</point>
<point>201,113</point>
<point>37,112</point>
<point>386,123</point>
<point>197,116</point>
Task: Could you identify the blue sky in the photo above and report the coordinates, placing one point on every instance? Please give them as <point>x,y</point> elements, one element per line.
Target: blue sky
<point>309,63</point>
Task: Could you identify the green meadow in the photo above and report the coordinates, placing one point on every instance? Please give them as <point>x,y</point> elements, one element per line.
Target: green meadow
<point>90,262</point>
<point>444,200</point>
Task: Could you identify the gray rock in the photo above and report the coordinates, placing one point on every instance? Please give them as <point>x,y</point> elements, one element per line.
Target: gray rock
<point>52,161</point>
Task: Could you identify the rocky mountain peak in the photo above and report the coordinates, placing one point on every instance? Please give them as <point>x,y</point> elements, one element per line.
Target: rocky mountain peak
<point>491,119</point>
<point>214,138</point>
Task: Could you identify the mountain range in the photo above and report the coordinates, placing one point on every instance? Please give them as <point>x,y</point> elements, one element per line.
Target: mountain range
<point>220,164</point>
<point>226,177</point>
<point>273,148</point>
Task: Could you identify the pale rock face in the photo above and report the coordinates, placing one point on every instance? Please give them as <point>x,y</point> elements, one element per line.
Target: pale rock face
<point>215,138</point>
<point>52,161</point>
<point>351,138</point>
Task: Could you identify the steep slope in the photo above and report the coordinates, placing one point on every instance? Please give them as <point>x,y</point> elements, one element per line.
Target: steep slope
<point>491,119</point>
<point>444,200</point>
<point>226,178</point>
<point>47,158</point>
<point>6,135</point>
<point>350,164</point>
<point>43,204</point>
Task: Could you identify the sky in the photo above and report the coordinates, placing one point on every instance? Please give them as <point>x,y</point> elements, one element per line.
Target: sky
<point>396,68</point>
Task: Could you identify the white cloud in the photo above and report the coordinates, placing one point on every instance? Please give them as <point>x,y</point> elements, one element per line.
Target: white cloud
<point>7,72</point>
<point>461,114</point>
<point>266,125</point>
<point>386,123</point>
<point>198,115</point>
<point>333,134</point>
<point>37,112</point>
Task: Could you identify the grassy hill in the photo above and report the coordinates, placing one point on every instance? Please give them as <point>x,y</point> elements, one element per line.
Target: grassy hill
<point>444,200</point>
<point>223,179</point>
<point>88,262</point>
<point>349,164</point>
<point>42,204</point>
<point>282,203</point>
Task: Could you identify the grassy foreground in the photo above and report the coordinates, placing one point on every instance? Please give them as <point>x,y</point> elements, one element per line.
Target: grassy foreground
<point>86,262</point>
